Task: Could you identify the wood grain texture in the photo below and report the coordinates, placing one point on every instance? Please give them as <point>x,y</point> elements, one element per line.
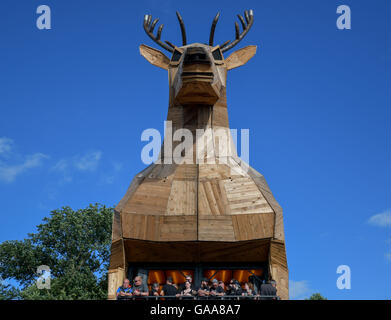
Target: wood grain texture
<point>116,233</point>
<point>115,280</point>
<point>154,56</point>
<point>211,198</point>
<point>182,199</point>
<point>133,187</point>
<point>240,57</point>
<point>117,255</point>
<point>253,226</point>
<point>244,197</point>
<point>178,228</point>
<point>215,229</point>
<point>279,268</point>
<point>213,172</point>
<point>151,197</point>
<point>205,190</point>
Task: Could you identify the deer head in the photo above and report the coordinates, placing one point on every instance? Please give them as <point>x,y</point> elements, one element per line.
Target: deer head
<point>197,72</point>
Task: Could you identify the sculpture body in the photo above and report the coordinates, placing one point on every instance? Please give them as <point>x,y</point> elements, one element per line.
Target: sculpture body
<point>204,209</point>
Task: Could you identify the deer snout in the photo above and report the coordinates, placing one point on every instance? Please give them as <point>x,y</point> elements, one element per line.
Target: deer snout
<point>196,79</point>
<point>196,55</point>
<point>196,65</point>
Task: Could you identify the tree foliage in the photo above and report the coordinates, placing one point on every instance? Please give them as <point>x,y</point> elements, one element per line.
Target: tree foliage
<point>75,244</point>
<point>316,296</point>
<point>7,292</point>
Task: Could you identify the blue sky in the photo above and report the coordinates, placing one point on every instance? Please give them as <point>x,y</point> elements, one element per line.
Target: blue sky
<point>75,99</point>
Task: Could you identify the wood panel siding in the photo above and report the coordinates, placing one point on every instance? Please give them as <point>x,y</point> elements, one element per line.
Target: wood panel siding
<point>279,268</point>
<point>253,226</point>
<point>151,197</point>
<point>117,254</point>
<point>178,228</point>
<point>211,228</point>
<point>182,199</point>
<point>244,197</point>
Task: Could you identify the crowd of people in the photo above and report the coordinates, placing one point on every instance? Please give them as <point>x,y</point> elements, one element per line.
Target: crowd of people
<point>206,290</point>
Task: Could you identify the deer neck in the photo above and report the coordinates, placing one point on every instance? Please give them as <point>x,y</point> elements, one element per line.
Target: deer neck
<point>199,116</point>
<point>208,123</point>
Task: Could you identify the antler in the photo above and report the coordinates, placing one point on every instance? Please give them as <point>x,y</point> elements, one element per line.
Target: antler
<point>149,26</point>
<point>212,29</point>
<point>246,24</point>
<point>183,31</point>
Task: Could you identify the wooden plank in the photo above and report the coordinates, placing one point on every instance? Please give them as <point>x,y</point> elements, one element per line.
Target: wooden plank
<point>182,199</point>
<point>178,228</point>
<point>215,228</point>
<point>265,190</point>
<point>220,112</point>
<point>212,199</point>
<point>116,227</point>
<point>253,226</point>
<point>162,172</point>
<point>115,280</point>
<point>214,171</point>
<point>186,172</point>
<point>117,255</point>
<point>259,179</point>
<point>244,197</point>
<point>279,227</point>
<point>133,187</point>
<point>151,197</point>
<point>138,226</point>
<point>279,268</point>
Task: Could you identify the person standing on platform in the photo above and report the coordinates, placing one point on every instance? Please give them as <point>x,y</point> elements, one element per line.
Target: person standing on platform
<point>125,291</point>
<point>139,288</point>
<point>169,289</point>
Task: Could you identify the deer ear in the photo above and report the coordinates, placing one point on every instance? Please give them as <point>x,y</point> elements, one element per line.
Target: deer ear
<point>240,57</point>
<point>154,56</point>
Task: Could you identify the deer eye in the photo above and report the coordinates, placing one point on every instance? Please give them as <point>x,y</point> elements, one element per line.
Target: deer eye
<point>217,54</point>
<point>176,56</point>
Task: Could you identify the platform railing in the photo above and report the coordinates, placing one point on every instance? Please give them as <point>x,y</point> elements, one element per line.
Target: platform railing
<point>225,297</point>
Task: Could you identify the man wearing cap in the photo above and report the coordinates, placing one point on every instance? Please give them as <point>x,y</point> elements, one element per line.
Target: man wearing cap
<point>216,291</point>
<point>203,291</point>
<point>234,288</point>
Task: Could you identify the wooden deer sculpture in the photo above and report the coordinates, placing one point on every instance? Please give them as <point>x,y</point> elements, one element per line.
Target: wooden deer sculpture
<point>206,208</point>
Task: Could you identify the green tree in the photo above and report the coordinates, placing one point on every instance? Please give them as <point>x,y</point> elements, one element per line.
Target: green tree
<point>316,296</point>
<point>7,292</point>
<point>76,247</point>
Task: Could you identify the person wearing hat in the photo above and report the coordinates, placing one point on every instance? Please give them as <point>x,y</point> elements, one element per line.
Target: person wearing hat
<point>234,288</point>
<point>216,291</point>
<point>203,291</point>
